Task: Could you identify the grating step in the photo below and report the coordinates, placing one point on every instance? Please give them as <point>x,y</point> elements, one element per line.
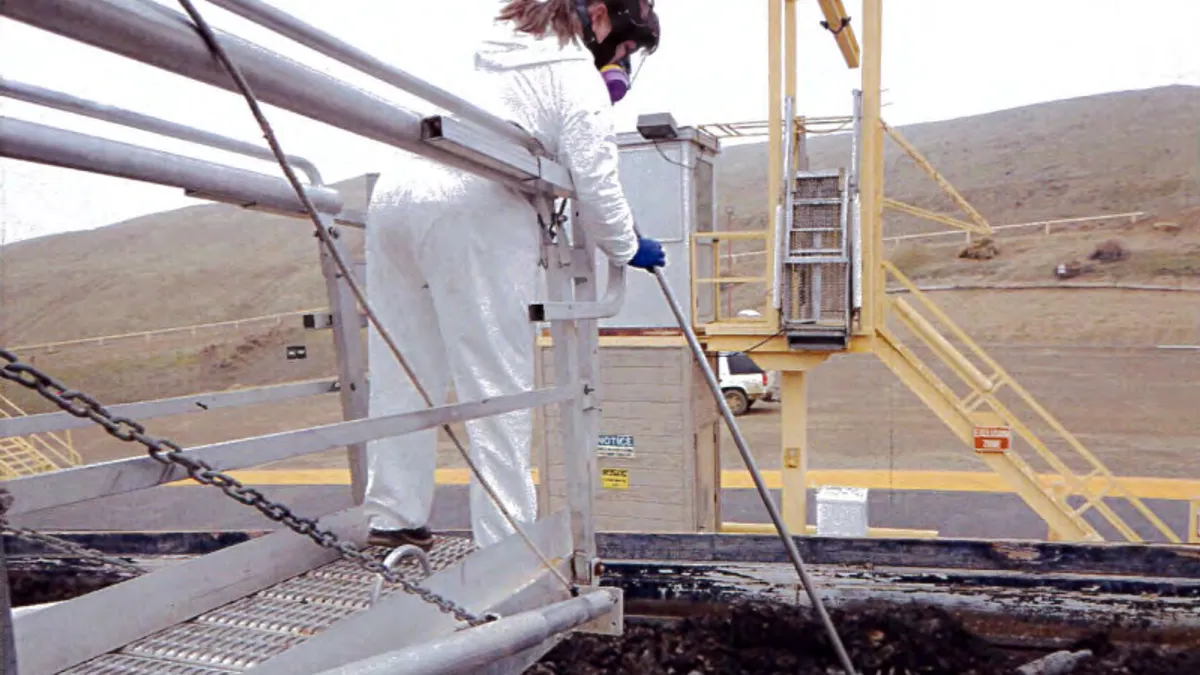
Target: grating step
<point>122,664</point>
<point>246,632</point>
<point>199,644</point>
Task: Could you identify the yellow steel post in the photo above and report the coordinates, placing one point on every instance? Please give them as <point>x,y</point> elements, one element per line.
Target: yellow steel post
<point>871,189</point>
<point>793,392</point>
<point>774,138</point>
<point>1194,522</point>
<point>789,53</point>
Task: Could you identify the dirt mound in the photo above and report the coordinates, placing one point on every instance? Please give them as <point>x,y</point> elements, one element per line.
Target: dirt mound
<point>1108,659</point>
<point>777,639</point>
<point>1110,251</point>
<point>980,249</point>
<point>774,639</point>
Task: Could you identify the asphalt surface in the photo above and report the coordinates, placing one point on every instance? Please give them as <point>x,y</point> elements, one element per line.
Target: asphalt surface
<point>953,514</point>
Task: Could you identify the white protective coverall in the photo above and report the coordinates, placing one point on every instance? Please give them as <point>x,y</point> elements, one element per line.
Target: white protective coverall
<point>452,265</point>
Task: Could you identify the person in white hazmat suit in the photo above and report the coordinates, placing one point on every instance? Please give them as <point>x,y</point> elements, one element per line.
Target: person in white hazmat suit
<point>452,259</point>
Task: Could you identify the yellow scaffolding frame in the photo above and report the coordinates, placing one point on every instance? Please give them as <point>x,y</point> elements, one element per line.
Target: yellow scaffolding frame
<point>968,416</point>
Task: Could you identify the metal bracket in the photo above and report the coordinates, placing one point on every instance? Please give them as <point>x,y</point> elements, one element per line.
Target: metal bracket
<point>606,307</point>
<point>612,623</point>
<point>324,321</point>
<point>393,559</point>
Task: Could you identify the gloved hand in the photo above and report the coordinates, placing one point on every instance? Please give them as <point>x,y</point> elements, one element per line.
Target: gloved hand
<point>650,254</point>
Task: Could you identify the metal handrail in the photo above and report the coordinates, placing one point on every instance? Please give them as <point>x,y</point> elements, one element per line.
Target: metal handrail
<point>314,38</point>
<point>30,93</point>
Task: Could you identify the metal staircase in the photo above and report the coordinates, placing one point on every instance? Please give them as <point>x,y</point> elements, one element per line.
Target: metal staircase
<point>815,262</point>
<point>981,412</point>
<point>33,454</point>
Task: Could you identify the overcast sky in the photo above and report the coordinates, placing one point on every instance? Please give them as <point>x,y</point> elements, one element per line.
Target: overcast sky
<point>942,59</point>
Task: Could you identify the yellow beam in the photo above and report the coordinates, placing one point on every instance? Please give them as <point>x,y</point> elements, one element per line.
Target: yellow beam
<point>927,167</point>
<point>1194,522</point>
<point>871,188</point>
<point>839,24</point>
<point>793,392</point>
<point>775,127</point>
<point>932,215</point>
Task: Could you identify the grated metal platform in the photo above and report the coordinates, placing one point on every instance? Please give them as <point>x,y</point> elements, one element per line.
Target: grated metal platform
<point>246,632</point>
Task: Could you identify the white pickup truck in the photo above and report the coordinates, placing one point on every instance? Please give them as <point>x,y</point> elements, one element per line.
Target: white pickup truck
<point>743,382</point>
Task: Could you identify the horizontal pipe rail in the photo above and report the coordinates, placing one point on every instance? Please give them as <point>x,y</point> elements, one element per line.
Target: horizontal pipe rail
<point>69,486</point>
<point>471,650</point>
<point>164,38</point>
<point>33,142</point>
<point>314,38</point>
<point>145,410</point>
<point>49,98</point>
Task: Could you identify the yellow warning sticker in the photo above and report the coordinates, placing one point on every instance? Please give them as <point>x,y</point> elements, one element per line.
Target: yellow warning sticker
<point>614,479</point>
<point>791,458</point>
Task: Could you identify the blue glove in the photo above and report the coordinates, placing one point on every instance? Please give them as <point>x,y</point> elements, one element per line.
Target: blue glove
<point>649,255</point>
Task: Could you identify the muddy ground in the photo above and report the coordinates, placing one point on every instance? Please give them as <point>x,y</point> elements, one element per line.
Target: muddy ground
<point>772,639</point>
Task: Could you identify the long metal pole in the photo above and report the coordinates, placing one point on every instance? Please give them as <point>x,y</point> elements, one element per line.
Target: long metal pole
<point>156,35</point>
<point>33,142</point>
<point>310,36</point>
<point>469,650</point>
<point>752,466</point>
<point>8,643</point>
<point>49,98</point>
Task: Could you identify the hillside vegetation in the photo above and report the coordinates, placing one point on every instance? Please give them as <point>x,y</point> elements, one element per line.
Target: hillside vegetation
<point>1112,153</point>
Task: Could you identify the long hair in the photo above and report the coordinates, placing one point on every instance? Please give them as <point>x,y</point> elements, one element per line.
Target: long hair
<point>541,17</point>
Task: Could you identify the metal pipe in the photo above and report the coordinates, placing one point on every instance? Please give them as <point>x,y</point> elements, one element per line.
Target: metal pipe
<point>35,142</point>
<point>310,36</point>
<point>145,31</point>
<point>80,483</point>
<point>751,466</point>
<point>54,99</point>
<point>8,642</point>
<point>469,650</point>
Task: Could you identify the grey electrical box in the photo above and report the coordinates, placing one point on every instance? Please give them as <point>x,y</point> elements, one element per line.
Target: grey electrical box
<point>671,186</point>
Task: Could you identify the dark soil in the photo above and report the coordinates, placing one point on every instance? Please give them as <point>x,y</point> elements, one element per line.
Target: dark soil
<point>1111,660</point>
<point>774,639</point>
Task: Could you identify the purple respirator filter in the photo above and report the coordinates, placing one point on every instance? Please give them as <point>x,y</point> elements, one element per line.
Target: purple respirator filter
<point>617,80</point>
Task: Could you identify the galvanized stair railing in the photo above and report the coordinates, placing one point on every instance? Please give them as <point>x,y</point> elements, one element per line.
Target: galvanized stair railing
<point>982,407</point>
<point>35,453</point>
<point>299,599</point>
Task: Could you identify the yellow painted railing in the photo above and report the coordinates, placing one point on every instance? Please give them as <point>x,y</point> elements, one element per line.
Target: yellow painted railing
<point>36,453</point>
<point>983,407</point>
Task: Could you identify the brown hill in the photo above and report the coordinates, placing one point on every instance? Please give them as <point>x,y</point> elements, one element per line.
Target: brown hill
<point>1116,152</point>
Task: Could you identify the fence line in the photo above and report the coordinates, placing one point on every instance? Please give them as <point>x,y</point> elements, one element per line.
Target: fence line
<point>1047,226</point>
<point>149,335</point>
<point>1051,286</point>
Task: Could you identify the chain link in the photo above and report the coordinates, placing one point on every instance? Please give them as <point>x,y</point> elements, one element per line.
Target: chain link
<point>80,404</point>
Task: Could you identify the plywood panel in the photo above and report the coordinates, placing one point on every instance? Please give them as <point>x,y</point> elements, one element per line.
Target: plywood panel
<point>648,393</point>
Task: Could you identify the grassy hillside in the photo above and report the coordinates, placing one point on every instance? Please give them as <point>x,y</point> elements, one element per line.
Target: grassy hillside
<point>1124,151</point>
<point>1116,152</point>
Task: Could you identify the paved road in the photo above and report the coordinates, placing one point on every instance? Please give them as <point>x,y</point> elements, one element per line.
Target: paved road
<point>953,514</point>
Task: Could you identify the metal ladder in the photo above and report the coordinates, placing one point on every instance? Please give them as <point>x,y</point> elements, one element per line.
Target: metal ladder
<point>815,261</point>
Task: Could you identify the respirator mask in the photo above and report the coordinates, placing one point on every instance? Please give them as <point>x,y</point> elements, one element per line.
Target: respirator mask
<point>628,25</point>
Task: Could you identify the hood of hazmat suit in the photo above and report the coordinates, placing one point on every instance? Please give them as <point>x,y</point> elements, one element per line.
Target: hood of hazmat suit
<point>452,265</point>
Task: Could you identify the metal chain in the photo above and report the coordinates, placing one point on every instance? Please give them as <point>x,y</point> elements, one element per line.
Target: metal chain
<point>80,404</point>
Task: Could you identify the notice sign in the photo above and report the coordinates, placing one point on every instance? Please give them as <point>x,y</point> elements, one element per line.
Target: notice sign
<point>614,479</point>
<point>992,439</point>
<point>615,446</point>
